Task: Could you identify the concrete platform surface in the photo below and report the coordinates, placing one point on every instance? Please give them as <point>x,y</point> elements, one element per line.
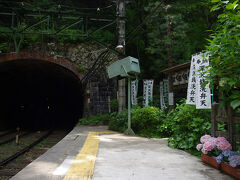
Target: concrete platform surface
<point>123,157</point>
<point>84,154</point>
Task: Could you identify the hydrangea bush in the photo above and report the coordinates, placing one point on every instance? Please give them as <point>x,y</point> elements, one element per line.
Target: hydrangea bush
<point>213,145</point>
<point>220,148</point>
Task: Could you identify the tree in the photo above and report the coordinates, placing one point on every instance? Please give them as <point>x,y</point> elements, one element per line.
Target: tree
<point>225,55</point>
<point>173,33</point>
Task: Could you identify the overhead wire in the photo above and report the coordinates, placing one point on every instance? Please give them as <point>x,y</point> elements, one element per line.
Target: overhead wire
<point>59,5</point>
<point>95,8</point>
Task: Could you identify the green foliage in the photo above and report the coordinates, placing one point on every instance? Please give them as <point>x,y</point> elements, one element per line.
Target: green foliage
<point>103,35</point>
<point>187,125</point>
<point>156,99</point>
<point>169,33</point>
<point>225,55</point>
<point>80,68</point>
<point>144,120</point>
<point>114,105</point>
<point>118,122</point>
<point>184,125</point>
<point>100,119</point>
<point>3,47</point>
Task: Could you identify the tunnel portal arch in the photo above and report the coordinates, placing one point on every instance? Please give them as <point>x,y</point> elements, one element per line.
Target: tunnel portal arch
<point>24,55</point>
<point>39,91</point>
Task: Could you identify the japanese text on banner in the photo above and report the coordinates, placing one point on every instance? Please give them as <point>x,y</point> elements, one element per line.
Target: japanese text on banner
<point>196,94</point>
<point>203,94</point>
<point>147,92</point>
<point>164,91</point>
<point>162,103</point>
<point>191,92</point>
<point>145,99</point>
<point>134,90</point>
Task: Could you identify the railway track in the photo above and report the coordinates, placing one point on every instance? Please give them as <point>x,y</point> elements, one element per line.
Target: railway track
<point>2,134</point>
<point>10,165</point>
<point>5,140</point>
<point>23,150</point>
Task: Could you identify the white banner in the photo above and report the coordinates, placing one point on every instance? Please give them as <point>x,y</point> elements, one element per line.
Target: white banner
<point>164,93</point>
<point>147,92</point>
<point>145,99</point>
<point>165,90</point>
<point>134,91</point>
<point>191,92</point>
<point>196,95</point>
<point>203,95</point>
<point>162,103</point>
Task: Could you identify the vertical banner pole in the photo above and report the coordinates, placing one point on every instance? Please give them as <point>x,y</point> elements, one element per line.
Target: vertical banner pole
<point>129,131</point>
<point>129,103</point>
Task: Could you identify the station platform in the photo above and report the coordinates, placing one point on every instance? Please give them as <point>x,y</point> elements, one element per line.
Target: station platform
<point>99,154</point>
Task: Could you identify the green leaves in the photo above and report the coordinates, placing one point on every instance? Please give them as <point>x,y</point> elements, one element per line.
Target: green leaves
<point>215,7</point>
<point>187,126</point>
<point>235,103</point>
<point>232,6</point>
<point>224,48</point>
<point>145,121</point>
<point>99,119</point>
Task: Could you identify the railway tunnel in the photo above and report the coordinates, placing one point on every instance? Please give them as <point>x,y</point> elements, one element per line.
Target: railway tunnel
<point>39,94</point>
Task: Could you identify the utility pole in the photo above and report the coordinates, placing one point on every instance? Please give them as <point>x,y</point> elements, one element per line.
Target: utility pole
<point>120,13</point>
<point>169,51</point>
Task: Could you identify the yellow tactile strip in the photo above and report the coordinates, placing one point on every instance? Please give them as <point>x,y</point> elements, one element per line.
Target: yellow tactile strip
<point>83,166</point>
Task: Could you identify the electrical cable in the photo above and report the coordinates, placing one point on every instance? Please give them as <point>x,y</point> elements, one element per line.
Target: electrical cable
<point>95,8</point>
<point>60,5</point>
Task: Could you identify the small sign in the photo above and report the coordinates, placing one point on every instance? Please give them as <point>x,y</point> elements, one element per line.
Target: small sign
<point>170,99</point>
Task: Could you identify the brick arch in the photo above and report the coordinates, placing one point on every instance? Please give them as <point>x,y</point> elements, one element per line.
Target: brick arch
<point>23,55</point>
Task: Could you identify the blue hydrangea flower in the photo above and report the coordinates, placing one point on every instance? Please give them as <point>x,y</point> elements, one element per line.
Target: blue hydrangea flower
<point>229,154</point>
<point>235,161</point>
<point>233,153</point>
<point>226,153</point>
<point>219,158</point>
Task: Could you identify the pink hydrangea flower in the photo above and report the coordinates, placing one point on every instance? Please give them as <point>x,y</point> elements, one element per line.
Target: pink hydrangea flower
<point>204,151</point>
<point>223,144</point>
<point>209,145</point>
<point>205,138</point>
<point>199,147</point>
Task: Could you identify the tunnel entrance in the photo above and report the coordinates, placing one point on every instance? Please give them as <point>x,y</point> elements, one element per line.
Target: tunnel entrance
<point>37,95</point>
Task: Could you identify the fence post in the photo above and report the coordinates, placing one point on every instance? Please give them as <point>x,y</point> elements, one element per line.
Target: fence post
<point>230,126</point>
<point>213,117</point>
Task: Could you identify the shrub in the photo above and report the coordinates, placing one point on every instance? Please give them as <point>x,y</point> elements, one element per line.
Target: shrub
<point>114,105</point>
<point>144,120</point>
<point>187,124</point>
<point>100,119</point>
<point>118,122</point>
